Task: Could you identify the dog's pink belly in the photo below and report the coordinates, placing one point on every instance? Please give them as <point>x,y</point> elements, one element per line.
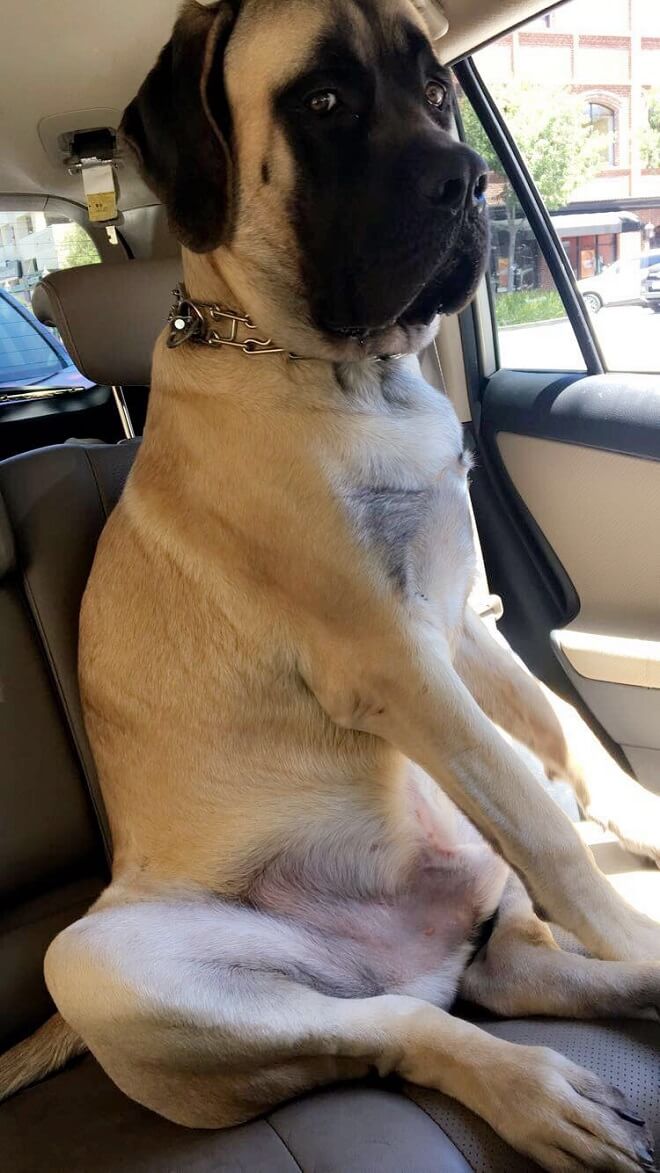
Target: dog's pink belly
<point>414,940</point>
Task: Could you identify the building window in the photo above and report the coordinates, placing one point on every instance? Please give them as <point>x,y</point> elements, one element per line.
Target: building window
<point>603,121</point>
<point>24,227</point>
<point>590,255</point>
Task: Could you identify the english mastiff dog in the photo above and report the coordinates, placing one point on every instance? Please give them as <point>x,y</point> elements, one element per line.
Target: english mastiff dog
<point>302,729</point>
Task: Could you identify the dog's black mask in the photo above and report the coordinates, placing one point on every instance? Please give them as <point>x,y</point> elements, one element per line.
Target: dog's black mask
<point>389,209</point>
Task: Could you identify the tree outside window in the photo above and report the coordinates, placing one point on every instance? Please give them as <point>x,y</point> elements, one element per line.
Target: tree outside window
<point>559,147</point>
<point>650,144</point>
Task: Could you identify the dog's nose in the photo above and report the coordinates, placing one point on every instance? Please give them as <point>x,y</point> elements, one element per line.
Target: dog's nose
<point>459,178</point>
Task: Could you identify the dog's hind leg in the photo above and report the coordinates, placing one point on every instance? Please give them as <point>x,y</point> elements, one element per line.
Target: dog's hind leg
<point>211,1014</point>
<point>522,971</point>
<point>556,733</point>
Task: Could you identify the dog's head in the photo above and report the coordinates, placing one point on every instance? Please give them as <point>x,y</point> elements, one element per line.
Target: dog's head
<point>304,146</point>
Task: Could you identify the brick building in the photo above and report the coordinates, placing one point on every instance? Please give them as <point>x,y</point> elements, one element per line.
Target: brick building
<point>609,52</point>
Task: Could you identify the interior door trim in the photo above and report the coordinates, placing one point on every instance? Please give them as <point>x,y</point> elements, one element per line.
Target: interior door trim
<point>613,413</point>
<point>612,658</point>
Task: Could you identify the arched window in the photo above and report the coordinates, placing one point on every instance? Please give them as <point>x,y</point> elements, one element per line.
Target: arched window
<point>603,120</point>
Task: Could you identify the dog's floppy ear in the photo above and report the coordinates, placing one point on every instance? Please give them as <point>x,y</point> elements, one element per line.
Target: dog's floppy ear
<point>179,126</point>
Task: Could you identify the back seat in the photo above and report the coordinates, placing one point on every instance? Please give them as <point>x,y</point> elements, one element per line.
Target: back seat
<point>54,861</point>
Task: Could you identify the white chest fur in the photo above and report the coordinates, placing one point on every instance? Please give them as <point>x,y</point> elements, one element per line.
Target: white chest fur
<point>403,477</point>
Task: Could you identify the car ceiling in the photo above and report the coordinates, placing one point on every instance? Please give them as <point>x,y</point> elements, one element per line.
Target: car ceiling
<point>59,58</point>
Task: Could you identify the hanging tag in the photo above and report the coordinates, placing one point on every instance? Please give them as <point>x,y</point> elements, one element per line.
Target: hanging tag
<point>100,192</point>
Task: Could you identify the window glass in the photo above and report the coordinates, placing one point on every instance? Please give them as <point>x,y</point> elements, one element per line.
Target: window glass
<point>33,244</point>
<point>533,329</point>
<point>591,139</point>
<point>602,120</point>
<point>27,356</point>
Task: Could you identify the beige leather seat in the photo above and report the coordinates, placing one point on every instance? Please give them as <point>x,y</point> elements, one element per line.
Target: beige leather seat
<point>109,316</point>
<point>53,862</point>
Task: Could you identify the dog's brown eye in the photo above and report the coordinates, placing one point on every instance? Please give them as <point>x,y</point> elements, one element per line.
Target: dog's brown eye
<point>435,94</point>
<point>324,102</point>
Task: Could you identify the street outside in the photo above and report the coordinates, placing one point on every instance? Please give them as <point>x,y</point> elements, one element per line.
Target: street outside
<point>629,337</point>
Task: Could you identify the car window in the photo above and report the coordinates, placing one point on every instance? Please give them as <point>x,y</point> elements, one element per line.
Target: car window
<point>534,332</point>
<point>590,135</point>
<point>27,357</point>
<point>33,244</point>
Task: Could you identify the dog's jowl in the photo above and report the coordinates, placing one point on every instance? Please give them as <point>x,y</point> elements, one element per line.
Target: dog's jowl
<point>291,705</point>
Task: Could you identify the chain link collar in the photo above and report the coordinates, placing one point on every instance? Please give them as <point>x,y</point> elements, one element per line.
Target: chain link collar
<point>201,322</point>
<point>209,324</point>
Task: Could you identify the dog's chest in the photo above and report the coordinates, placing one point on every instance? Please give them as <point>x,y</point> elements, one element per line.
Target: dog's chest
<point>404,480</point>
<point>394,522</point>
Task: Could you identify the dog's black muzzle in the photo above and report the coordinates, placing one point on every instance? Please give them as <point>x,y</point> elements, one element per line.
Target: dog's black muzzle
<point>455,178</point>
<point>414,240</point>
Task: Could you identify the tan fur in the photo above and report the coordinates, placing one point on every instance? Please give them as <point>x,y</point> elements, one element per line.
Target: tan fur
<point>523,972</point>
<point>49,1049</point>
<point>262,703</point>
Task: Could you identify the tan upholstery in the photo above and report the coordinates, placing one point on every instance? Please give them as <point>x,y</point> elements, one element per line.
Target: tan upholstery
<point>109,316</point>
<point>598,510</point>
<point>609,547</point>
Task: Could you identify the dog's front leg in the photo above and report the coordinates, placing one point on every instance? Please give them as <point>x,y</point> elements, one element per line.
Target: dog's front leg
<point>522,972</point>
<point>400,684</point>
<point>553,730</point>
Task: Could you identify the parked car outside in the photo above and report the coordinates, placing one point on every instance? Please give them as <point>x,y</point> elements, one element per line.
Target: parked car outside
<point>651,289</point>
<point>31,357</point>
<point>618,284</point>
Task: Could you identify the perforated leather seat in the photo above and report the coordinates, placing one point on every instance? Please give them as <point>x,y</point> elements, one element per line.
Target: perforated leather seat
<point>53,864</point>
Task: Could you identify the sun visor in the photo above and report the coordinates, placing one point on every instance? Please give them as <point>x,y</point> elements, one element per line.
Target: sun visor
<point>435,17</point>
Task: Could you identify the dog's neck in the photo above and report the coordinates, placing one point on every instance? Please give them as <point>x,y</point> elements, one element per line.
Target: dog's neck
<point>205,281</point>
<point>214,312</point>
<point>206,284</point>
<point>202,394</point>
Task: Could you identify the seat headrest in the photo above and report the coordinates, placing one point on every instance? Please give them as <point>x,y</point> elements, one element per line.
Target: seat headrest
<point>110,315</point>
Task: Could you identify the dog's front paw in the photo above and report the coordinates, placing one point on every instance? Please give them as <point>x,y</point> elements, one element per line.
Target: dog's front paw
<point>566,1118</point>
<point>633,815</point>
<point>638,940</point>
<point>637,825</point>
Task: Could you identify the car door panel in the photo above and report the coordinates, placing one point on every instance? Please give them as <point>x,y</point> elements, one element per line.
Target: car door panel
<point>579,461</point>
<point>612,412</point>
